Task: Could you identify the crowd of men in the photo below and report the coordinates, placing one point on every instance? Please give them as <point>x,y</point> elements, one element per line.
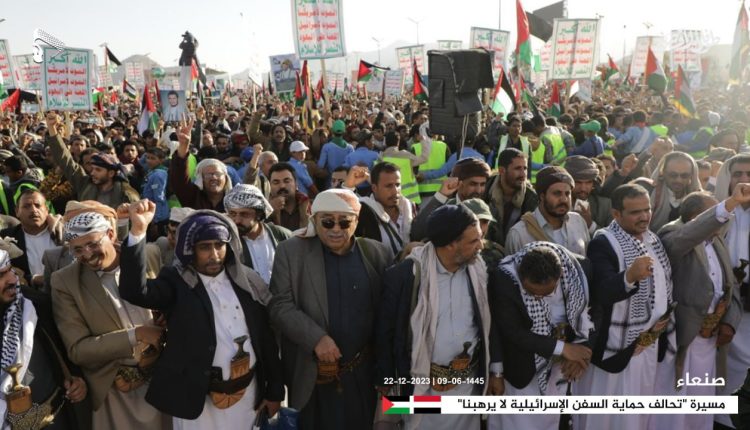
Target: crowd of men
<point>235,264</point>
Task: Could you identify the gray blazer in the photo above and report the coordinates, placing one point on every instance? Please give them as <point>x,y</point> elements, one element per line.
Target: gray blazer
<point>693,289</point>
<point>299,307</point>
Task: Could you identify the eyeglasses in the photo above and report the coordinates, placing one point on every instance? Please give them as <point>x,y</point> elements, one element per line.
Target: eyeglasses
<point>675,175</point>
<point>90,247</point>
<point>329,223</point>
<point>214,175</point>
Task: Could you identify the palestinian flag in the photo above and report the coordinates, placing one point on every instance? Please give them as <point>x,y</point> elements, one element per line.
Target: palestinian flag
<point>502,98</point>
<point>409,405</point>
<point>149,117</point>
<point>366,70</point>
<point>11,102</point>
<point>319,89</point>
<point>682,94</point>
<point>111,61</point>
<point>555,108</point>
<point>194,75</point>
<point>740,47</point>
<point>128,90</point>
<point>655,78</point>
<point>158,93</point>
<point>419,92</point>
<point>97,98</point>
<point>611,70</point>
<point>299,92</point>
<point>523,42</point>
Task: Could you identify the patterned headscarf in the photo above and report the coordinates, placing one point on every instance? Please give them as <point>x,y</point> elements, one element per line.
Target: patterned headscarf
<point>247,196</point>
<point>195,229</point>
<point>74,208</point>
<point>85,223</point>
<point>333,200</point>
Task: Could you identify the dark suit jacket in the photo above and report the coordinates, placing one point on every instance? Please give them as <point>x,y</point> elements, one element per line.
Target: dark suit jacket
<point>22,261</point>
<point>182,374</point>
<point>607,287</point>
<point>392,333</point>
<point>511,330</point>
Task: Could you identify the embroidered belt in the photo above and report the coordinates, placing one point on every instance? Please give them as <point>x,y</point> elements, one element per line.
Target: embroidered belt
<point>223,393</point>
<point>330,372</point>
<point>711,320</point>
<point>462,367</point>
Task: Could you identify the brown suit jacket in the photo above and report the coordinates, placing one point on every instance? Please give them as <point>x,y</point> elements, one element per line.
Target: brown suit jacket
<point>90,327</point>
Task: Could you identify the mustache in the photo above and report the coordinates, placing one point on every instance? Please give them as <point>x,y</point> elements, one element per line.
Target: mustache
<point>282,191</point>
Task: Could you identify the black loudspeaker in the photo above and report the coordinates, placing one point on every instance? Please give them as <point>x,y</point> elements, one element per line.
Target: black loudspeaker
<point>454,83</point>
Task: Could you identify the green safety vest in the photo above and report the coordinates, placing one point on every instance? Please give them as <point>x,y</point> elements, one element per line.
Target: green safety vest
<point>17,195</point>
<point>525,148</point>
<point>558,146</point>
<point>661,130</point>
<point>409,187</point>
<point>537,156</point>
<point>192,164</point>
<point>435,162</point>
<point>697,155</point>
<point>4,200</point>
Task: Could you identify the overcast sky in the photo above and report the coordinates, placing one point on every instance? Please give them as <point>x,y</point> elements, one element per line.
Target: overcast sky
<point>224,28</point>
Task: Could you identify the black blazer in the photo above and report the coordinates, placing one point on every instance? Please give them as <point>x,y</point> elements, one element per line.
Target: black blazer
<point>181,376</point>
<point>607,287</point>
<point>392,341</point>
<point>511,329</point>
<point>22,261</point>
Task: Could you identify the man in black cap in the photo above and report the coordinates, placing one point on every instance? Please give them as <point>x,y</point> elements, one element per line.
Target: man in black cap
<point>552,221</point>
<point>587,202</point>
<point>440,332</point>
<point>467,181</point>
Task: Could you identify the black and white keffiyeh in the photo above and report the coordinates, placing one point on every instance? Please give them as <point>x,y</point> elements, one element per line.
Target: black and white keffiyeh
<point>575,294</point>
<point>13,320</point>
<point>247,196</point>
<point>85,223</point>
<point>631,317</point>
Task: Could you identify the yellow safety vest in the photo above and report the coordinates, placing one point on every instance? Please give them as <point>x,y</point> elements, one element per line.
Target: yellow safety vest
<point>537,157</point>
<point>558,146</point>
<point>4,200</point>
<point>409,187</point>
<point>435,162</point>
<point>661,130</point>
<point>525,148</point>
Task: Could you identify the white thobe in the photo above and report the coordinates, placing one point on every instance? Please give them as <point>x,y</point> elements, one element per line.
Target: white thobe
<point>454,327</point>
<point>262,252</point>
<point>229,321</point>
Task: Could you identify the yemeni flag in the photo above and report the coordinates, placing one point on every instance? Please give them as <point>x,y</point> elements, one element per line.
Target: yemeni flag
<point>419,92</point>
<point>409,405</point>
<point>299,93</point>
<point>111,61</point>
<point>149,117</point>
<point>655,77</point>
<point>11,103</point>
<point>523,42</point>
<point>740,47</point>
<point>503,101</point>
<point>682,94</point>
<point>366,70</point>
<point>611,70</point>
<point>128,89</point>
<point>555,108</point>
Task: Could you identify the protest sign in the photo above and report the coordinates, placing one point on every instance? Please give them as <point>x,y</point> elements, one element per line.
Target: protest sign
<point>545,56</point>
<point>254,69</point>
<point>449,45</point>
<point>495,41</point>
<point>335,82</point>
<point>685,47</point>
<point>394,83</point>
<point>574,48</point>
<point>174,107</point>
<point>29,71</point>
<point>318,29</point>
<point>105,78</point>
<point>283,68</point>
<point>134,74</point>
<point>658,45</point>
<point>6,66</point>
<point>66,79</point>
<point>375,83</point>
<point>406,55</point>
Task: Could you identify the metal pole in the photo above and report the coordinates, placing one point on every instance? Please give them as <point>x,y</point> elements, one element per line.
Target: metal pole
<point>499,14</point>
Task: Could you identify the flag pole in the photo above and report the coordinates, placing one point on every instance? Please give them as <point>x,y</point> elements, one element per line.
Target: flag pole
<point>325,87</point>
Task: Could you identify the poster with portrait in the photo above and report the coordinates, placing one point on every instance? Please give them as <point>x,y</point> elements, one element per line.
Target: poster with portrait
<point>284,68</point>
<point>173,107</point>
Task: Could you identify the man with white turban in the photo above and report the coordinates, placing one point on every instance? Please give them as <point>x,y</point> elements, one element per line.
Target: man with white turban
<point>110,339</point>
<point>326,288</point>
<point>211,179</point>
<point>249,209</point>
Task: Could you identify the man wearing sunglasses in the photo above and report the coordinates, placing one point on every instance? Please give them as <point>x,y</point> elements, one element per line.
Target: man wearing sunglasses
<point>325,287</point>
<point>675,177</point>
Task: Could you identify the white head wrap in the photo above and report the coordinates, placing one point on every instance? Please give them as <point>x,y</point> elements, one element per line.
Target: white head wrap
<point>211,162</point>
<point>247,196</point>
<point>333,200</point>
<point>179,214</point>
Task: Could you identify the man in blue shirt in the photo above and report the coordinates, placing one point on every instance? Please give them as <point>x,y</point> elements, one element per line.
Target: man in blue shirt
<point>636,139</point>
<point>593,145</point>
<point>363,155</point>
<point>467,152</point>
<point>305,184</point>
<point>335,151</point>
